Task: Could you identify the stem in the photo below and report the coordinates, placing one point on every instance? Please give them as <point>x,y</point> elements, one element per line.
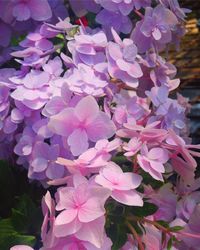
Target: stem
<point>138,13</point>
<point>135,235</point>
<point>154,223</point>
<point>121,84</point>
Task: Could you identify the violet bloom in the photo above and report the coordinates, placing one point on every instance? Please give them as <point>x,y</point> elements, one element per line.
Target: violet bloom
<point>88,48</point>
<point>122,62</point>
<point>22,10</point>
<point>155,28</point>
<point>5,34</point>
<point>39,39</point>
<point>42,163</point>
<point>123,6</point>
<point>32,90</point>
<point>165,199</point>
<point>128,108</point>
<point>121,184</point>
<point>81,124</point>
<point>175,8</point>
<point>82,211</point>
<point>152,161</point>
<point>113,19</point>
<point>85,80</point>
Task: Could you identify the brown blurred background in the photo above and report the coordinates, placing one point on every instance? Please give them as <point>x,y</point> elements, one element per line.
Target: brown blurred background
<point>187,61</point>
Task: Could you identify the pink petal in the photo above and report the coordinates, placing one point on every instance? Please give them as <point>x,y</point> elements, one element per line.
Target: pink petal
<point>67,229</point>
<point>21,247</point>
<point>128,197</point>
<point>101,128</point>
<point>87,109</point>
<point>93,232</point>
<point>63,123</point>
<point>66,217</point>
<point>78,142</point>
<point>91,210</point>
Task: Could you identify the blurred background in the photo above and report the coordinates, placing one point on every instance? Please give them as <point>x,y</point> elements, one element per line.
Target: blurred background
<point>187,61</point>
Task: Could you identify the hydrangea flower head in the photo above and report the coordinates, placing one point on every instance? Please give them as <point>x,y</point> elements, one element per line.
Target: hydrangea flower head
<point>81,124</point>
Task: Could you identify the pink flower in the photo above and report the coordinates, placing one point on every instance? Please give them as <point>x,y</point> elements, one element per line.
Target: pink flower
<point>81,124</point>
<point>92,159</point>
<point>121,184</point>
<point>152,161</point>
<point>132,147</point>
<point>82,211</point>
<point>48,208</point>
<point>186,165</point>
<point>21,247</point>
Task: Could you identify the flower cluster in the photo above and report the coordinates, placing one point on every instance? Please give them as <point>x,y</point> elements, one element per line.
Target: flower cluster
<point>88,109</point>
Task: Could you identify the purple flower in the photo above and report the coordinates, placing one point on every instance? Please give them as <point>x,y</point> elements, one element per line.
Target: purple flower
<point>155,28</point>
<point>80,125</point>
<point>122,63</point>
<point>88,48</point>
<point>5,34</point>
<point>123,6</point>
<point>22,10</point>
<point>85,80</point>
<point>116,20</point>
<point>32,90</point>
<point>42,163</point>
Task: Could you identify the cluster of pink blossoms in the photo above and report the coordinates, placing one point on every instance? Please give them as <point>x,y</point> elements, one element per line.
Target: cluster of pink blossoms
<point>89,111</point>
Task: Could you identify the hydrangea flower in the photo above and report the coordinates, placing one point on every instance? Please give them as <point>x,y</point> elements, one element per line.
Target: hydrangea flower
<point>121,184</point>
<point>23,10</point>
<point>122,63</point>
<point>152,161</point>
<point>80,125</point>
<point>82,211</point>
<point>155,28</point>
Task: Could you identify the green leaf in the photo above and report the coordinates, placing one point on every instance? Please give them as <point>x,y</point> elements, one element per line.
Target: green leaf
<point>10,237</point>
<point>146,210</point>
<point>169,244</point>
<point>163,223</point>
<point>7,188</point>
<point>118,235</point>
<point>26,217</point>
<point>176,228</point>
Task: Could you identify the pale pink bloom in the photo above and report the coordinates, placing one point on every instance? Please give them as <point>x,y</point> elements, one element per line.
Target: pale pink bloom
<point>121,184</point>
<point>83,123</point>
<point>132,147</point>
<point>186,165</point>
<point>48,208</point>
<point>148,133</point>
<point>83,211</point>
<point>73,243</point>
<point>152,161</point>
<point>93,159</point>
<point>21,247</point>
